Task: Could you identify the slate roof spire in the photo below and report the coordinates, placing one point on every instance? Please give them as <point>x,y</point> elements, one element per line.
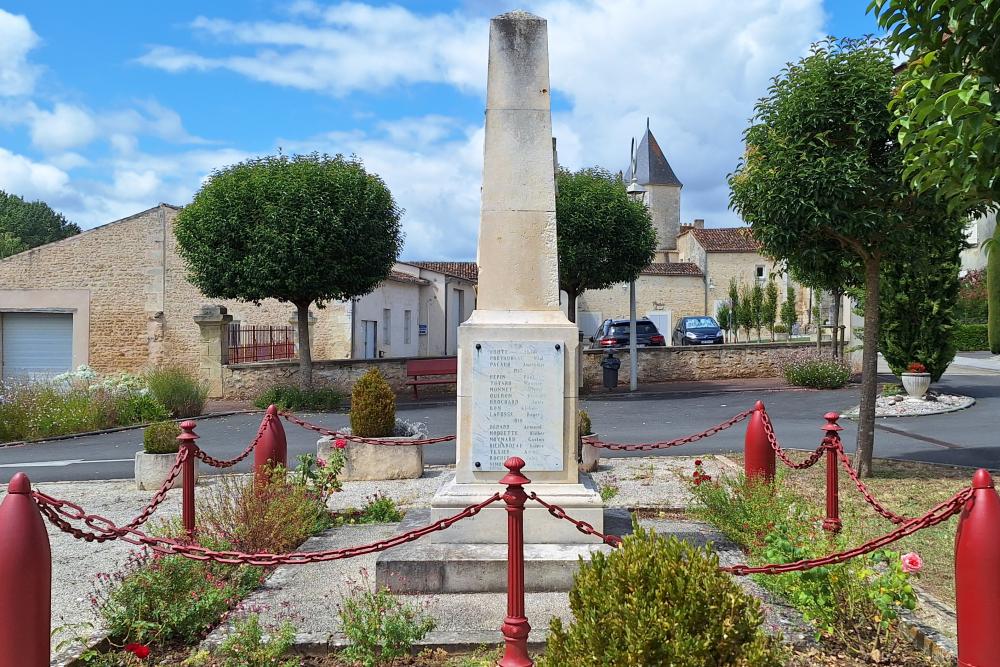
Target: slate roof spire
<point>651,166</point>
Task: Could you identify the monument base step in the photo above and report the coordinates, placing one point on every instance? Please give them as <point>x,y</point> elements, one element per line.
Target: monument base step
<point>424,567</point>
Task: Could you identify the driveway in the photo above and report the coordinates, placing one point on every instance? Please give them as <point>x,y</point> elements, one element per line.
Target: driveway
<point>967,438</point>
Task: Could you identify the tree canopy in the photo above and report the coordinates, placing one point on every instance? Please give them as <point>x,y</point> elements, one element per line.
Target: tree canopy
<point>25,225</point>
<point>303,229</point>
<point>604,237</point>
<point>821,181</point>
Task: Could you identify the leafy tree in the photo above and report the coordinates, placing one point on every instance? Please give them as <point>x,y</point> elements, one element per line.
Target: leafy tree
<point>757,307</point>
<point>10,244</point>
<point>769,311</point>
<point>822,167</point>
<point>734,306</point>
<point>919,294</point>
<point>722,316</point>
<point>604,237</point>
<point>992,249</point>
<point>304,229</point>
<point>788,315</point>
<point>746,316</point>
<point>948,109</point>
<point>32,223</point>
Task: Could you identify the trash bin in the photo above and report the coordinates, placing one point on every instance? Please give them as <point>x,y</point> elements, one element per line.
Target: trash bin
<point>610,363</point>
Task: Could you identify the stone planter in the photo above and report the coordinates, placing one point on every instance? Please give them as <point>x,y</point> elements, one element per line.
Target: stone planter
<point>376,462</point>
<point>916,384</point>
<point>152,469</point>
<point>590,455</point>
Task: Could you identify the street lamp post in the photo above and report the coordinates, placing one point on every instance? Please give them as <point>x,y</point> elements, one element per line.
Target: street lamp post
<point>635,192</point>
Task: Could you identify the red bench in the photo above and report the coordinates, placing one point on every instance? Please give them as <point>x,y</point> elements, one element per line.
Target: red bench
<point>417,368</point>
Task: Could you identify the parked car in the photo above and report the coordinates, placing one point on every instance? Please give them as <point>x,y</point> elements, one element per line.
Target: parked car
<point>613,335</point>
<point>697,331</point>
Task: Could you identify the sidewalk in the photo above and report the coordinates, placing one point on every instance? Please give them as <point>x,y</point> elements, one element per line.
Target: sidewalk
<point>984,361</point>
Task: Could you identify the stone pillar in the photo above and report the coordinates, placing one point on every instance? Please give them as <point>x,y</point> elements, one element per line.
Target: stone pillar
<point>517,370</point>
<point>212,321</point>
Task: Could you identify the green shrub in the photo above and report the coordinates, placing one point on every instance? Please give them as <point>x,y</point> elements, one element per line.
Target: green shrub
<point>294,398</point>
<point>161,438</point>
<point>971,337</point>
<point>246,646</point>
<point>169,600</point>
<point>380,508</point>
<point>138,408</point>
<point>378,626</point>
<point>586,428</point>
<point>817,372</point>
<point>180,392</point>
<point>659,601</point>
<point>779,329</point>
<point>373,406</point>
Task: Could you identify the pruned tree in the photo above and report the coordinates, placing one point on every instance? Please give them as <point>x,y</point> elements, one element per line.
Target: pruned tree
<point>769,311</point>
<point>723,315</point>
<point>604,237</point>
<point>746,316</point>
<point>734,307</point>
<point>822,167</point>
<point>757,307</point>
<point>789,316</point>
<point>306,229</point>
<point>27,225</point>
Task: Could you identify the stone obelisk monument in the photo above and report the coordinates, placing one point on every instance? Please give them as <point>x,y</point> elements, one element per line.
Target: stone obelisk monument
<point>517,373</point>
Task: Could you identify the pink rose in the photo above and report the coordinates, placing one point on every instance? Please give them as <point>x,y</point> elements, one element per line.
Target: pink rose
<point>320,463</point>
<point>340,444</point>
<point>912,563</point>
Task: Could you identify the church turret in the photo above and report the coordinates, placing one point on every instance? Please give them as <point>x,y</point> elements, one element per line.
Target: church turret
<point>663,192</point>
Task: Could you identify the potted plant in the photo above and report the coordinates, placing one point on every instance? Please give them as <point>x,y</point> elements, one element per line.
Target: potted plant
<point>153,464</point>
<point>916,380</point>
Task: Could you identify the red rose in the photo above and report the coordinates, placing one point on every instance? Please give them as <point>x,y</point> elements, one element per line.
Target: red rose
<point>140,651</point>
<point>697,462</point>
<point>340,444</point>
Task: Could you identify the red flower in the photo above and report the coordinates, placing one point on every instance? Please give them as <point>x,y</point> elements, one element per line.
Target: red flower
<point>320,463</point>
<point>140,651</point>
<point>916,367</point>
<point>340,443</point>
<point>697,462</point>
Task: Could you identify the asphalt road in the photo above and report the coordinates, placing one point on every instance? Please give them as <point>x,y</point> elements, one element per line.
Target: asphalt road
<point>968,438</point>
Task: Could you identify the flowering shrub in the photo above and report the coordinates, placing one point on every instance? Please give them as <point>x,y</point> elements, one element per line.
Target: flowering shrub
<point>182,394</point>
<point>817,372</point>
<point>246,646</point>
<point>700,476</point>
<point>378,626</point>
<point>321,476</point>
<point>915,367</point>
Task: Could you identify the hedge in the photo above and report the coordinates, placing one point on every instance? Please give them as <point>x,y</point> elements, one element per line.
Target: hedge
<point>970,337</point>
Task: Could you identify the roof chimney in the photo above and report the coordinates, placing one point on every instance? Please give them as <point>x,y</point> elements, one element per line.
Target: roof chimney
<point>699,223</point>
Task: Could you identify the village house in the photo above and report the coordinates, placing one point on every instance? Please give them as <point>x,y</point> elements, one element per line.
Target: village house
<point>116,298</point>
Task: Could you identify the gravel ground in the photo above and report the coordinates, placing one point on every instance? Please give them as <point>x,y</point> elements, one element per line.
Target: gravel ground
<point>654,481</point>
<point>904,406</point>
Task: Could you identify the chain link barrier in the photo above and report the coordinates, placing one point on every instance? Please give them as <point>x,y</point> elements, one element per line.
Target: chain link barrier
<point>62,512</point>
<point>582,526</point>
<point>229,463</point>
<point>772,439</point>
<point>390,442</point>
<point>665,444</point>
<point>882,510</point>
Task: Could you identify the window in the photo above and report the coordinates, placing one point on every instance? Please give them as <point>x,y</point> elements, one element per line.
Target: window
<point>760,274</point>
<point>407,325</point>
<point>386,326</point>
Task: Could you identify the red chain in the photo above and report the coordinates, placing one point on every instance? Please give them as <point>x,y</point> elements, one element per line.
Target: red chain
<point>161,494</point>
<point>55,510</point>
<point>938,514</point>
<point>853,474</point>
<point>772,439</point>
<point>582,526</point>
<point>219,463</point>
<point>622,447</point>
<point>367,441</point>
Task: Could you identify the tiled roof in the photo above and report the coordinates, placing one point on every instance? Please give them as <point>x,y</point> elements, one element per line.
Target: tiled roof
<point>464,270</point>
<point>723,239</point>
<point>400,277</point>
<point>672,269</point>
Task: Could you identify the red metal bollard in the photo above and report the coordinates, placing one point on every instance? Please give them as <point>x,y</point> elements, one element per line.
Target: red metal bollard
<point>272,449</point>
<point>187,438</point>
<point>515,627</point>
<point>977,576</point>
<point>758,455</point>
<point>832,521</point>
<point>25,579</point>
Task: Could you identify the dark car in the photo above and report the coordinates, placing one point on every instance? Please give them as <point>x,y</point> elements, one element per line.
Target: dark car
<point>613,335</point>
<point>697,331</point>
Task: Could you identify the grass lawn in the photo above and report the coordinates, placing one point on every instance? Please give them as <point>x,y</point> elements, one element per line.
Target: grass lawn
<point>905,488</point>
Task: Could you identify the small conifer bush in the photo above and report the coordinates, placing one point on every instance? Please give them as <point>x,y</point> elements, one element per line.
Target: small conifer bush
<point>161,438</point>
<point>373,406</point>
<point>658,601</point>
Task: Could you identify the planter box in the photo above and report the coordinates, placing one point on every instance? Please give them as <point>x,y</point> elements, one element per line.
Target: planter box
<point>591,457</point>
<point>376,462</point>
<point>916,384</point>
<point>152,469</point>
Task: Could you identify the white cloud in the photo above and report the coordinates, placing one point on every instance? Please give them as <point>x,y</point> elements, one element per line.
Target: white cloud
<point>135,184</point>
<point>29,179</point>
<point>17,76</point>
<point>66,126</point>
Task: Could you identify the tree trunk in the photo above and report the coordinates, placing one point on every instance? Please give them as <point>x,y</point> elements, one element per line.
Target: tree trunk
<point>837,297</point>
<point>993,293</point>
<point>305,349</point>
<point>869,371</point>
<point>571,305</point>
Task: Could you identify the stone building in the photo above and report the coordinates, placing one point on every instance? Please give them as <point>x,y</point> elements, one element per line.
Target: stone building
<point>116,298</point>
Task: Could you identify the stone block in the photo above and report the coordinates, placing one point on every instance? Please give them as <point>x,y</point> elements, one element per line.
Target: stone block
<point>591,458</point>
<point>376,462</point>
<point>152,469</point>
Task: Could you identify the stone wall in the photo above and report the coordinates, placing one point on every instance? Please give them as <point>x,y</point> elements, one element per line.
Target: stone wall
<point>686,363</point>
<point>681,295</point>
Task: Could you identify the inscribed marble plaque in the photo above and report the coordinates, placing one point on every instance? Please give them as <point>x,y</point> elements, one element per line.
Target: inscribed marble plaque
<point>517,404</point>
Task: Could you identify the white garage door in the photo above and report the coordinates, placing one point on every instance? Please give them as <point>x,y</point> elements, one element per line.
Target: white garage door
<point>37,345</point>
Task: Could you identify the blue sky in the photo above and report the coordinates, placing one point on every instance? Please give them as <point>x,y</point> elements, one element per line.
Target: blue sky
<point>107,109</point>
